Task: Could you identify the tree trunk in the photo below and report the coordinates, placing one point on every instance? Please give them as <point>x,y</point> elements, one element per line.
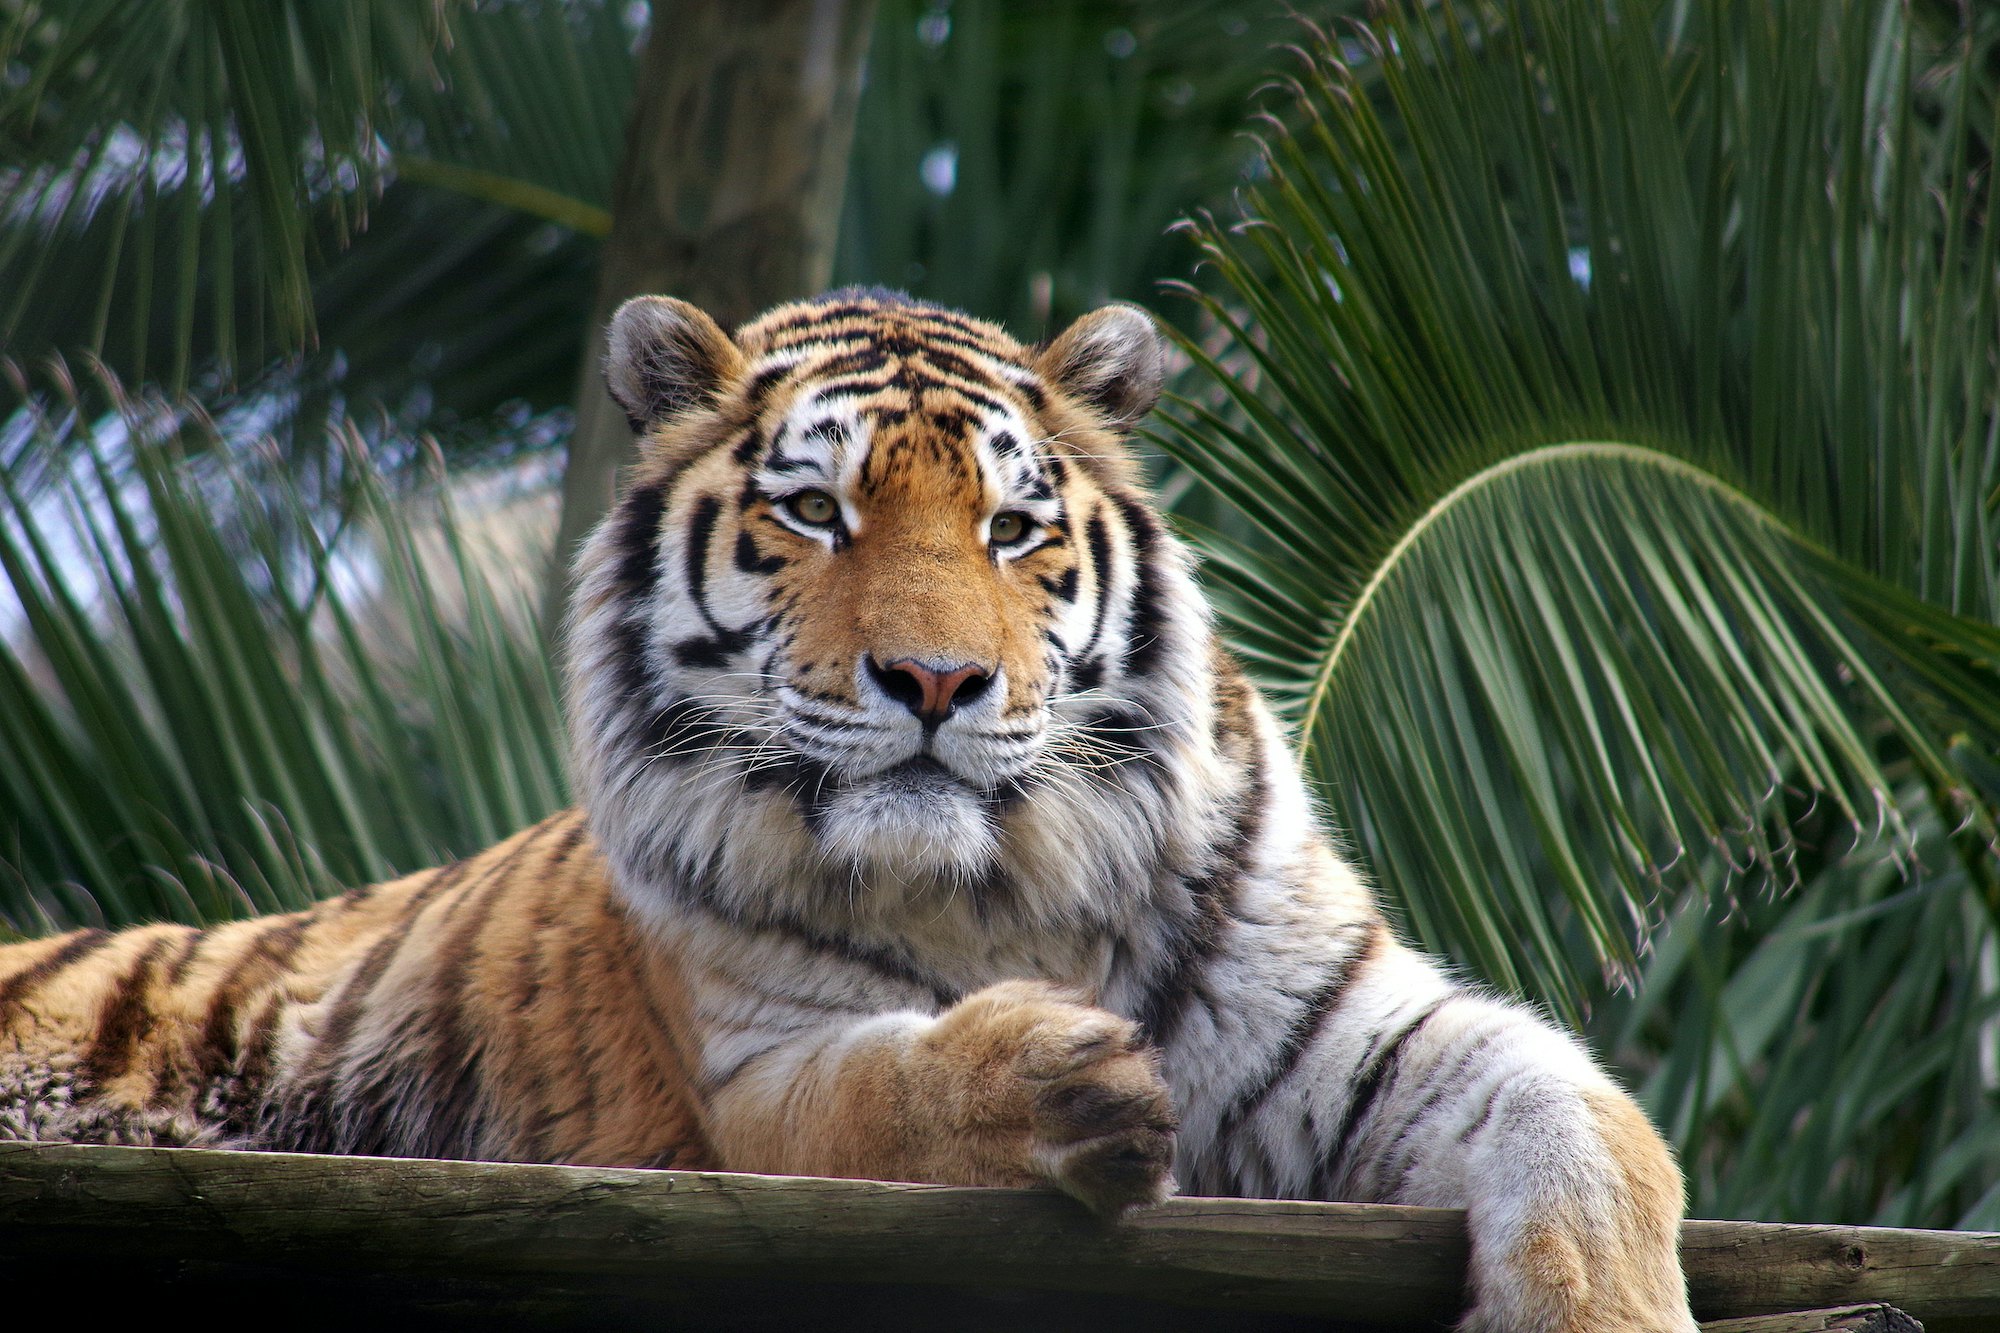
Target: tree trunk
<point>728,194</point>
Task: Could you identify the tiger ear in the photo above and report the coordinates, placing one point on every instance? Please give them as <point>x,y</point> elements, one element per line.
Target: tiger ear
<point>665,357</point>
<point>1111,359</point>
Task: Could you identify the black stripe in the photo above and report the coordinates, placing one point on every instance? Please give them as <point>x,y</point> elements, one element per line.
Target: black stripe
<point>763,382</point>
<point>952,364</point>
<point>1485,1112</point>
<point>866,359</point>
<point>190,949</point>
<point>572,839</point>
<point>713,652</point>
<point>320,1115</point>
<point>1123,740</point>
<point>636,682</point>
<point>917,367</point>
<point>1378,1070</point>
<point>701,527</point>
<point>636,539</point>
<point>794,774</point>
<point>446,1074</point>
<point>1443,1085</point>
<point>907,337</point>
<point>81,945</point>
<point>965,339</point>
<point>272,949</point>
<point>241,1096</point>
<point>900,321</point>
<point>859,384</point>
<point>1306,1028</point>
<point>347,1008</point>
<point>948,425</point>
<point>1201,936</point>
<point>124,1020</point>
<point>528,966</point>
<point>843,303</point>
<point>1098,539</point>
<point>1145,640</point>
<point>829,432</point>
<point>716,648</point>
<point>978,398</point>
<point>887,963</point>
<point>680,731</point>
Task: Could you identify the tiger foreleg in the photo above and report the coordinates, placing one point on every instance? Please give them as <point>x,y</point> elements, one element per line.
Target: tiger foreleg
<point>1016,1084</point>
<point>1572,1199</point>
<point>1574,1211</point>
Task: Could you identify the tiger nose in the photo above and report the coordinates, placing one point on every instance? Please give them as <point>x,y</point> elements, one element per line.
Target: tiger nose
<point>932,692</point>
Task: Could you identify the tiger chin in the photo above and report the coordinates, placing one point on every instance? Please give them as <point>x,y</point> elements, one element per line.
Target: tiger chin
<point>931,835</point>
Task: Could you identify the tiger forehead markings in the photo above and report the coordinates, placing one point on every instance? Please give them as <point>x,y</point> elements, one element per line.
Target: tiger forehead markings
<point>928,832</point>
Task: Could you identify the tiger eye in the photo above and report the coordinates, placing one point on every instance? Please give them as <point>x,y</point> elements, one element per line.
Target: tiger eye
<point>814,507</point>
<point>1008,528</point>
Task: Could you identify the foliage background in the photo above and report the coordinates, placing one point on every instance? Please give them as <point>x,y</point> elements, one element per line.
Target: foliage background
<point>1598,399</point>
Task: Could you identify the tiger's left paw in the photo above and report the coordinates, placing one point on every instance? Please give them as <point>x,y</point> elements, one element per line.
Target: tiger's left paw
<point>1557,1283</point>
<point>1606,1259</point>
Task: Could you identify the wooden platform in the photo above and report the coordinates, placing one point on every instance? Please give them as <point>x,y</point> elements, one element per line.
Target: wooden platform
<point>341,1238</point>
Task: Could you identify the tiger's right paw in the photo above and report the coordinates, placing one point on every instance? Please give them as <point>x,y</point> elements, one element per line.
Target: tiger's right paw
<point>1057,1092</point>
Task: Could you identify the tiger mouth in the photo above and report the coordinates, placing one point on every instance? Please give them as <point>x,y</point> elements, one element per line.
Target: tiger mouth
<point>920,780</point>
<point>918,774</point>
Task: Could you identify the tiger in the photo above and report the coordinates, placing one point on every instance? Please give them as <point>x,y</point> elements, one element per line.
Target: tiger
<point>926,831</point>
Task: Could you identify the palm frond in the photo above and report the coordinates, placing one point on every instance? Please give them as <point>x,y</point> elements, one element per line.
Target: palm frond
<point>187,179</point>
<point>224,126</point>
<point>1827,1053</point>
<point>1586,380</point>
<point>196,722</point>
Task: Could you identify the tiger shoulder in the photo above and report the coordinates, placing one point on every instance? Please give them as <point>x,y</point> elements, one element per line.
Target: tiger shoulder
<point>927,832</point>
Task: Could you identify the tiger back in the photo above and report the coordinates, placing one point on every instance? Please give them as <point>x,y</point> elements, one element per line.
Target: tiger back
<point>383,1021</point>
<point>927,832</point>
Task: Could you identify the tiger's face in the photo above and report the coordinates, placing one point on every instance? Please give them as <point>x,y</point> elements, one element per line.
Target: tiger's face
<point>882,581</point>
<point>917,552</point>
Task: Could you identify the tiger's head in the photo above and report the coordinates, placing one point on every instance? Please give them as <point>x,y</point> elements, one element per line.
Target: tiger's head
<point>882,605</point>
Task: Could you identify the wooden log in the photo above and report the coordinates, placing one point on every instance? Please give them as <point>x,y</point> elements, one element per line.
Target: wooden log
<point>476,1219</point>
<point>1845,1319</point>
<point>1744,1268</point>
<point>581,1228</point>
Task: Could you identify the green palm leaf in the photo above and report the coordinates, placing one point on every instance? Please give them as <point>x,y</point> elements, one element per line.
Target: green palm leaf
<point>1611,404</point>
<point>218,124</point>
<point>222,694</point>
<point>186,178</point>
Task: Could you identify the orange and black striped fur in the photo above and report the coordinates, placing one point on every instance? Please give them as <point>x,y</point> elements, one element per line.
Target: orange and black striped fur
<point>931,835</point>
<point>505,1006</point>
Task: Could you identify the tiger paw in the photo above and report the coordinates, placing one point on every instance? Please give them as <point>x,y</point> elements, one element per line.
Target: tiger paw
<point>1058,1092</point>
